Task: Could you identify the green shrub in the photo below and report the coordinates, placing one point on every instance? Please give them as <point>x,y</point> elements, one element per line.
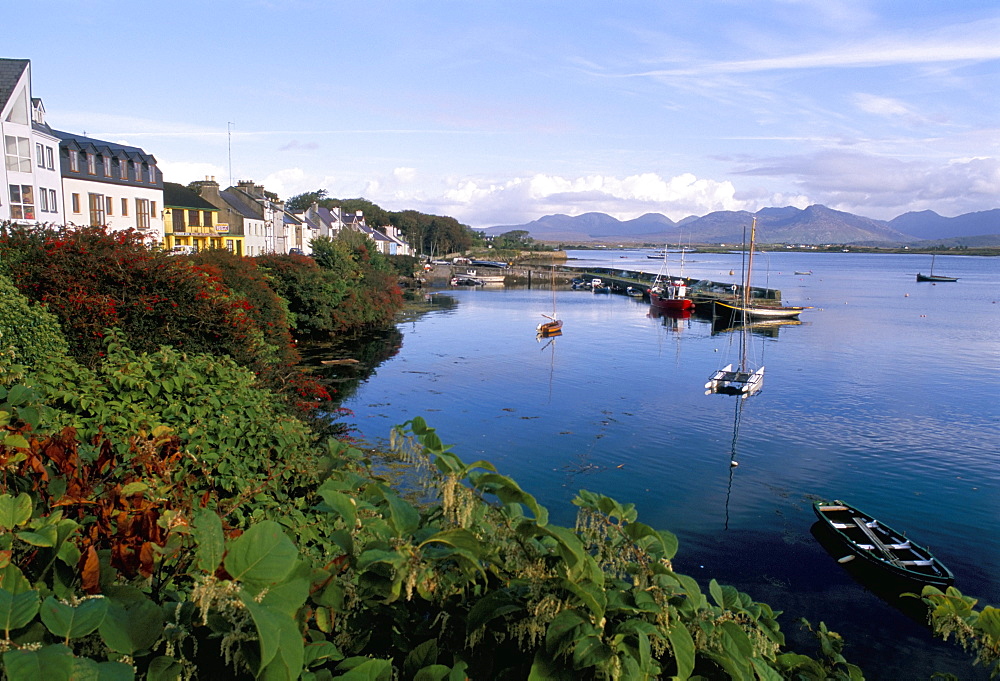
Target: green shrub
<point>29,334</point>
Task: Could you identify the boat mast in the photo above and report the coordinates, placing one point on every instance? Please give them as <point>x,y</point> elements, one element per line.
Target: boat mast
<point>746,296</point>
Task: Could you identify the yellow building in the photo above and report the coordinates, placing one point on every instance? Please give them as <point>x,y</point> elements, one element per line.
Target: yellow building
<point>190,223</point>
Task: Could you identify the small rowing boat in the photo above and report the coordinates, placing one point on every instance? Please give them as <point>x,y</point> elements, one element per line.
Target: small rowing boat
<point>879,545</point>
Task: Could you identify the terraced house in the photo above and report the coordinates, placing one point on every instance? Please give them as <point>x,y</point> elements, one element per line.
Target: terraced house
<point>111,184</point>
<point>192,223</point>
<point>30,182</point>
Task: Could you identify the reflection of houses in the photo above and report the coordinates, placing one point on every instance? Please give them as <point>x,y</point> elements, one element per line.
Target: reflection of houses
<point>192,222</point>
<point>30,182</point>
<point>110,184</point>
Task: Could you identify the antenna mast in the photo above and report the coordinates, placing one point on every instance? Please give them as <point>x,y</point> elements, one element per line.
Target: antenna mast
<point>229,135</point>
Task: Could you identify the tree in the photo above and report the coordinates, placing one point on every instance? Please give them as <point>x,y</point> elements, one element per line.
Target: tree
<point>515,239</point>
<point>303,201</point>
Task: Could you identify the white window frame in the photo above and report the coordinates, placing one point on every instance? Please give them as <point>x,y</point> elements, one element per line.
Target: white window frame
<point>17,151</point>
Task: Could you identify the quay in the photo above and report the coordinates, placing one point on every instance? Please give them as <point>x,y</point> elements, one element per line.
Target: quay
<point>703,292</point>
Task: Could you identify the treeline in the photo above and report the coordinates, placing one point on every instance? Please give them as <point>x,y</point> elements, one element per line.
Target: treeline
<point>434,235</point>
<point>166,513</point>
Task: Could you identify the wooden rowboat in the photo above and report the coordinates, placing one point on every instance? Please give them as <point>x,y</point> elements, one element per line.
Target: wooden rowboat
<point>879,545</point>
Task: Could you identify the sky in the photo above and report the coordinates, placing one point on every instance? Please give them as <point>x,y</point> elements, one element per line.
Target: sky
<point>499,113</point>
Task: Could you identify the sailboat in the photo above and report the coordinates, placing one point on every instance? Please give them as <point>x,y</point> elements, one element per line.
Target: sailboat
<point>667,293</point>
<point>744,307</point>
<point>553,327</point>
<point>741,379</point>
<point>932,276</point>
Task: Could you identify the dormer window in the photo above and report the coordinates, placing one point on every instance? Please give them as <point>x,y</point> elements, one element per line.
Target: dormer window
<point>91,164</point>
<point>106,162</point>
<point>74,160</point>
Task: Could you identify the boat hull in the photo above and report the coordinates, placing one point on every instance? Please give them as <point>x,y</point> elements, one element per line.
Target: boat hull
<point>881,546</point>
<point>552,328</point>
<point>674,304</point>
<point>755,312</point>
<point>934,277</point>
<point>733,381</point>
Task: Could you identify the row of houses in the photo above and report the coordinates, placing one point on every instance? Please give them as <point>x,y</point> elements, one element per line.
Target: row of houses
<point>51,176</point>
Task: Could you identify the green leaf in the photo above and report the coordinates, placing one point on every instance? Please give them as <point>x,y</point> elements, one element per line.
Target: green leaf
<point>16,610</point>
<point>403,518</point>
<point>281,647</point>
<point>51,663</point>
<point>365,669</point>
<point>164,668</point>
<point>262,554</point>
<point>132,626</point>
<point>45,537</point>
<point>344,505</point>
<point>133,488</point>
<point>14,511</point>
<point>716,591</point>
<point>86,669</point>
<point>210,542</point>
<point>683,647</point>
<point>67,621</point>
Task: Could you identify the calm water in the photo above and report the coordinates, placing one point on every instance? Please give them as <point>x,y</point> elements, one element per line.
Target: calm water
<point>887,396</point>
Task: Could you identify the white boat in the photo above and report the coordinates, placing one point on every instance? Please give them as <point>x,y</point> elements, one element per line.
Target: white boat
<point>735,381</point>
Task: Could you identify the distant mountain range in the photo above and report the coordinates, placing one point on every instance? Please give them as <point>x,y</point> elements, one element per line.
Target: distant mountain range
<point>813,225</point>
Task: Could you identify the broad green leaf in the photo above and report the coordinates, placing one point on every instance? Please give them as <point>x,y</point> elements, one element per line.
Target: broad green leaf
<point>365,669</point>
<point>86,669</point>
<point>287,664</point>
<point>268,630</point>
<point>344,505</point>
<point>164,668</point>
<point>459,538</point>
<point>494,604</point>
<point>590,651</point>
<point>51,663</point>
<point>14,511</point>
<point>209,539</point>
<point>16,610</point>
<point>683,647</point>
<point>67,621</point>
<point>13,580</point>
<point>131,626</point>
<point>262,554</point>
<point>433,672</point>
<point>46,537</point>
<point>15,440</point>
<point>403,518</point>
<point>592,596</point>
<point>133,488</point>
<point>716,591</point>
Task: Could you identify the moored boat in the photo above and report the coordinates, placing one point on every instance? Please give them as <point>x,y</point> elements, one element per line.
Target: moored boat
<point>670,296</point>
<point>757,312</point>
<point>932,276</point>
<point>881,546</point>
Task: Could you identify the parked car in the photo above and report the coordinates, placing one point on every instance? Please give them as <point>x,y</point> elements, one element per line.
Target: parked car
<point>295,251</point>
<point>182,250</point>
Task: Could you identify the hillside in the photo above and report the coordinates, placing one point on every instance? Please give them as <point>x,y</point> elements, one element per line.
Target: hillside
<point>813,225</point>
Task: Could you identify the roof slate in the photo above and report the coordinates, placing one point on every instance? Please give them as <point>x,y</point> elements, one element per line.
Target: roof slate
<point>178,196</point>
<point>113,148</point>
<point>10,73</point>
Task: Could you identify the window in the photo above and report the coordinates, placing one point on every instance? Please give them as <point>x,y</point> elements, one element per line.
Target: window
<point>109,205</point>
<point>208,219</point>
<point>124,205</point>
<point>230,245</point>
<point>18,153</point>
<point>22,202</point>
<point>177,221</point>
<point>137,171</point>
<point>40,155</point>
<point>43,200</point>
<point>91,164</point>
<point>152,208</point>
<point>50,162</point>
<point>142,213</point>
<point>106,162</point>
<point>76,203</point>
<point>74,160</point>
<point>96,209</point>
<point>53,201</point>
<point>152,175</point>
<point>123,169</point>
<point>194,218</point>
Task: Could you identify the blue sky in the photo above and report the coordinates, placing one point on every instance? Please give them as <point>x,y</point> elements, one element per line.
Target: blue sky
<point>498,113</point>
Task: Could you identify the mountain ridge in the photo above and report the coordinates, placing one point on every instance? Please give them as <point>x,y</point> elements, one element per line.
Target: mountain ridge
<point>813,225</point>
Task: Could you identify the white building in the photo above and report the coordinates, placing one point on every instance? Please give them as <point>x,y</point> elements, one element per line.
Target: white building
<point>111,184</point>
<point>30,186</point>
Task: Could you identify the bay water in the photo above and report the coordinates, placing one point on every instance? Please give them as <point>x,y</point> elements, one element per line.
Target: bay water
<point>886,395</point>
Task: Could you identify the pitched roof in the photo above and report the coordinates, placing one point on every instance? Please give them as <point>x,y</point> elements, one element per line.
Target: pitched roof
<point>100,146</point>
<point>242,204</point>
<point>10,72</point>
<point>178,196</point>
